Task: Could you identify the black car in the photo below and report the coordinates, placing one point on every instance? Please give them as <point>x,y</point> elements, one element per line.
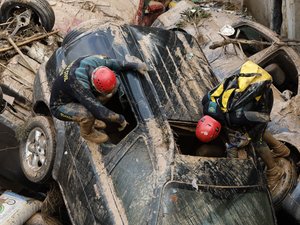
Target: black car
<point>158,173</point>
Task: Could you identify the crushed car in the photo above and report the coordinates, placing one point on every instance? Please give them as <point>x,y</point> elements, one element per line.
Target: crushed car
<point>158,172</point>
<point>22,24</point>
<point>21,21</point>
<point>228,40</point>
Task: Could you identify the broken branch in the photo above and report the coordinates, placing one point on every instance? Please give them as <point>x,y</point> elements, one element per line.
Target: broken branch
<point>29,40</point>
<point>20,53</point>
<point>219,44</point>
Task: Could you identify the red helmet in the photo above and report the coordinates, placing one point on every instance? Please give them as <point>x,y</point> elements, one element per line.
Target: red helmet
<point>104,80</point>
<point>207,129</point>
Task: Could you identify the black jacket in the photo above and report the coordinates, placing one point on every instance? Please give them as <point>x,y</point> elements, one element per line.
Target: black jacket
<point>74,85</point>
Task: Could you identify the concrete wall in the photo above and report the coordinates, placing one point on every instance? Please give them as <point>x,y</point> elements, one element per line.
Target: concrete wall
<point>261,10</point>
<point>291,19</point>
<point>267,12</point>
<point>282,16</point>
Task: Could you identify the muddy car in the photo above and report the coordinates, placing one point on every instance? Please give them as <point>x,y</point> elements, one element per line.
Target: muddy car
<point>158,172</point>
<point>20,20</point>
<point>212,28</point>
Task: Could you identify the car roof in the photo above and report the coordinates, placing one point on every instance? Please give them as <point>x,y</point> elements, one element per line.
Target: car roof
<point>178,70</point>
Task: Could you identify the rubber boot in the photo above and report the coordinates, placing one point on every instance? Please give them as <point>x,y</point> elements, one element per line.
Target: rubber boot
<point>89,133</point>
<point>278,148</point>
<point>99,125</point>
<point>274,176</point>
<point>274,172</point>
<point>266,155</point>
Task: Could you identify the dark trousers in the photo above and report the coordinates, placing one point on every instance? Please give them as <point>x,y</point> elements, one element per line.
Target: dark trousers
<point>70,112</point>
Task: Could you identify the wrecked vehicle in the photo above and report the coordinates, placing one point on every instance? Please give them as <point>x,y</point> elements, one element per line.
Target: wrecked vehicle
<point>228,41</point>
<point>17,14</point>
<point>21,20</point>
<point>158,173</point>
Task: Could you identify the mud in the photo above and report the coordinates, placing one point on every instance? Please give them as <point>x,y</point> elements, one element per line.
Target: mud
<point>70,13</point>
<point>107,186</point>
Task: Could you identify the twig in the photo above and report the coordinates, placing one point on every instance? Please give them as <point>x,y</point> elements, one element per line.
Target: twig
<point>8,148</point>
<point>4,24</point>
<point>219,44</point>
<point>111,16</point>
<point>29,40</point>
<point>13,72</point>
<point>20,53</point>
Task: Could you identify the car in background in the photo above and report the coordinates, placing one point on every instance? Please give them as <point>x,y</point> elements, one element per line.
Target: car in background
<point>20,20</point>
<point>211,27</point>
<point>158,172</point>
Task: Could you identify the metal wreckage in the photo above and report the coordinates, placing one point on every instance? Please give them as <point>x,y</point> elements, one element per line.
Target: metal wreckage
<point>158,172</point>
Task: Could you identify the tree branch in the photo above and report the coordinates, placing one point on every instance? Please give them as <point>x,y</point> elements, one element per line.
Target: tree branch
<point>219,44</point>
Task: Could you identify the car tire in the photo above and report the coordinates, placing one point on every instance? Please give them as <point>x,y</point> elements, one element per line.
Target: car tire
<point>37,149</point>
<point>41,9</point>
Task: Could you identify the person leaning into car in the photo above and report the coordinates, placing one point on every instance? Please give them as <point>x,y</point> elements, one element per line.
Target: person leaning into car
<point>242,104</point>
<point>81,90</point>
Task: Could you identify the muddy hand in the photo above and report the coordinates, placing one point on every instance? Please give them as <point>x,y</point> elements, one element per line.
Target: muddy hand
<point>123,125</point>
<point>142,68</point>
<point>132,59</point>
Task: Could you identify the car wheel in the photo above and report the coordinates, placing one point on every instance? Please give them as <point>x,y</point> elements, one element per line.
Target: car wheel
<point>37,149</point>
<point>42,12</point>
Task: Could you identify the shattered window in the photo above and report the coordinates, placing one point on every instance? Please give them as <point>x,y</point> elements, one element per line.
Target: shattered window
<point>185,205</point>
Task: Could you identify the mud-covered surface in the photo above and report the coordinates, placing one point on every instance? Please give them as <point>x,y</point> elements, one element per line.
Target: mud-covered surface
<point>216,171</point>
<point>287,114</point>
<point>227,59</point>
<point>90,186</point>
<point>186,70</point>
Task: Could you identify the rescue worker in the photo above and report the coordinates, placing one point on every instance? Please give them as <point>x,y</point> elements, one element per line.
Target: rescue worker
<point>242,104</point>
<point>80,92</point>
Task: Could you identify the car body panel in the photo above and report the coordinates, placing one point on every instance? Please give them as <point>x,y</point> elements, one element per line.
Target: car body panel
<point>126,185</point>
<point>227,60</point>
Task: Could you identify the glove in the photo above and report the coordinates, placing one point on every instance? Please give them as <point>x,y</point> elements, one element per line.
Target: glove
<point>142,68</point>
<point>238,139</point>
<point>123,125</point>
<point>137,64</point>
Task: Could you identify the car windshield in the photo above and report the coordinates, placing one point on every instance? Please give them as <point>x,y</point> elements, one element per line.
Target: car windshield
<point>183,204</point>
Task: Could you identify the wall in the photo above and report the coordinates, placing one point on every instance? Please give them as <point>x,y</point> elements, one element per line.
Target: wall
<point>261,10</point>
<point>291,25</point>
<point>267,12</point>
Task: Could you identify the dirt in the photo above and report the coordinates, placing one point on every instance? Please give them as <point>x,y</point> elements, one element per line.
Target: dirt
<point>287,114</point>
<point>159,144</point>
<point>70,13</point>
<point>107,185</point>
